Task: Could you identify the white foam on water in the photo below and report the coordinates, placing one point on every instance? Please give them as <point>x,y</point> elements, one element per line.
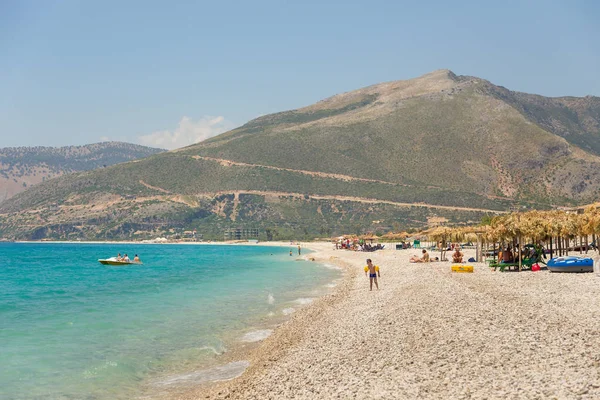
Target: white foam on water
<point>331,285</point>
<point>271,299</point>
<point>271,314</point>
<point>221,373</point>
<point>304,300</point>
<point>331,266</point>
<point>211,349</point>
<point>288,311</point>
<point>256,336</point>
<point>93,372</point>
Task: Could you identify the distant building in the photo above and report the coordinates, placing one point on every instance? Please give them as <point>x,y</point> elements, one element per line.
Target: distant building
<point>241,233</point>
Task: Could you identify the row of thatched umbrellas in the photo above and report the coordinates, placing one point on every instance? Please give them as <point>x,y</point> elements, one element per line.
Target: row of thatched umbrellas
<point>556,229</point>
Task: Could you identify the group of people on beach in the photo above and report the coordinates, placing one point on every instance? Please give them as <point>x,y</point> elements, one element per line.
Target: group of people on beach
<point>360,245</point>
<point>506,255</point>
<point>457,257</point>
<point>299,251</point>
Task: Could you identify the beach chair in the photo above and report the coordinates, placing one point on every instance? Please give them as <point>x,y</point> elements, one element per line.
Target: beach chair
<point>525,264</point>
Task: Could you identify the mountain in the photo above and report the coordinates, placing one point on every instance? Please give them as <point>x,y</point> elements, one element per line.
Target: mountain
<point>22,167</point>
<point>395,155</point>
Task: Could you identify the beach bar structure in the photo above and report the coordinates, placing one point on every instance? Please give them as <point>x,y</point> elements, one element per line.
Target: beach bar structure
<point>240,233</point>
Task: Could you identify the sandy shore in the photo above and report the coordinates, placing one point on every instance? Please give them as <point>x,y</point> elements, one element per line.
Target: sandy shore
<point>430,333</point>
<point>427,333</point>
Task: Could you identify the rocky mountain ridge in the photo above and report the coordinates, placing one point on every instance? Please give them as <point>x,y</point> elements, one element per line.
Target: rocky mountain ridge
<point>22,167</point>
<point>392,155</point>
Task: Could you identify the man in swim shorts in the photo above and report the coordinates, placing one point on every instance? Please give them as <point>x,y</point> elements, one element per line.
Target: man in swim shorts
<point>373,271</point>
<point>457,256</point>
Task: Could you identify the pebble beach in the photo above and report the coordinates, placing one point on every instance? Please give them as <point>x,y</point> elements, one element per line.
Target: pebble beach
<point>428,333</point>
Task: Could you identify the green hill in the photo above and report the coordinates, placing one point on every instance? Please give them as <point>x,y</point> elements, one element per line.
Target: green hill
<point>23,167</point>
<point>389,156</point>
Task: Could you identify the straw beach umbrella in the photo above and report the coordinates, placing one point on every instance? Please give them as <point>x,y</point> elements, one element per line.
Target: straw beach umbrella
<point>395,236</point>
<point>369,237</point>
<point>441,234</point>
<point>593,223</point>
<point>584,228</point>
<point>509,227</point>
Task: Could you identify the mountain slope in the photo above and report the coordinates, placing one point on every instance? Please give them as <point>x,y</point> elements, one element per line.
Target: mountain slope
<point>440,140</point>
<point>439,129</point>
<point>22,167</point>
<point>575,119</point>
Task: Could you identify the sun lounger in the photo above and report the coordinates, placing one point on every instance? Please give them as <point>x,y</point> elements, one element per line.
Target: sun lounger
<point>525,264</point>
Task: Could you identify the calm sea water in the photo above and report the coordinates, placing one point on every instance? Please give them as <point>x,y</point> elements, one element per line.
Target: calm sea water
<point>71,328</point>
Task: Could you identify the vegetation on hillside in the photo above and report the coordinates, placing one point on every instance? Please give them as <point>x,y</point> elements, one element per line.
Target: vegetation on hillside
<point>339,165</point>
<point>72,158</point>
<point>577,120</point>
<point>22,167</point>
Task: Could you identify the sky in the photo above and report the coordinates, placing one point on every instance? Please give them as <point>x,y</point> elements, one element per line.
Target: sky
<point>172,73</point>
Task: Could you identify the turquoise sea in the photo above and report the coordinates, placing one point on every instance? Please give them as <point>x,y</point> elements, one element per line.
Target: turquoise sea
<point>71,328</point>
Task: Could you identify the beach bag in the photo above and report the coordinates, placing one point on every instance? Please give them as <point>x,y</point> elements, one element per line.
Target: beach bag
<point>535,267</point>
<point>471,259</point>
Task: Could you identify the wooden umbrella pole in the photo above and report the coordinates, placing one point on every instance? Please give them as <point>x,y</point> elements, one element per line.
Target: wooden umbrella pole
<point>442,249</point>
<point>587,243</point>
<point>520,250</point>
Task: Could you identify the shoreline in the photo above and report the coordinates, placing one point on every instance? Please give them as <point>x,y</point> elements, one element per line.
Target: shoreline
<point>231,343</point>
<point>285,330</point>
<point>239,242</point>
<point>284,335</point>
<point>429,333</point>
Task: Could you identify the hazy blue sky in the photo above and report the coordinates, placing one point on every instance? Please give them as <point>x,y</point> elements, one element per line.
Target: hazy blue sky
<point>171,72</point>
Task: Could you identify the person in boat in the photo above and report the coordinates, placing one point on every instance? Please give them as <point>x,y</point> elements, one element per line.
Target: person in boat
<point>136,259</point>
<point>457,256</point>
<point>126,258</point>
<point>119,258</point>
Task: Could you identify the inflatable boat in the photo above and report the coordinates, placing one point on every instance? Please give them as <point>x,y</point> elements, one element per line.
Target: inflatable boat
<point>571,264</point>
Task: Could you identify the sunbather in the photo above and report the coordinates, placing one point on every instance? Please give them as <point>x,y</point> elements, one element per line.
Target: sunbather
<point>457,256</point>
<point>422,259</point>
<point>507,256</point>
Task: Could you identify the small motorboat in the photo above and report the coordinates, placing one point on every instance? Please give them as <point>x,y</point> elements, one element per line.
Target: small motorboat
<point>114,261</point>
<point>571,264</point>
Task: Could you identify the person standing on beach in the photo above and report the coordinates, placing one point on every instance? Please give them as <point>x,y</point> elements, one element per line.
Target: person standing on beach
<point>373,271</point>
<point>298,249</point>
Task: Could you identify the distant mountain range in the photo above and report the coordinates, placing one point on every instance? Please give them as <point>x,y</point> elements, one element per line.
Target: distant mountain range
<point>22,167</point>
<point>395,155</point>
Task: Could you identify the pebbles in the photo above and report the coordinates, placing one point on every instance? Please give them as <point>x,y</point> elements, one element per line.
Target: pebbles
<point>429,333</point>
